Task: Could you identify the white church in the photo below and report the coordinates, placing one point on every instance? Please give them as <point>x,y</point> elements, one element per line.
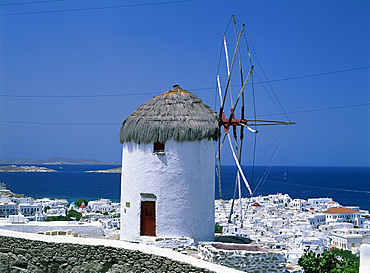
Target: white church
<point>168,168</point>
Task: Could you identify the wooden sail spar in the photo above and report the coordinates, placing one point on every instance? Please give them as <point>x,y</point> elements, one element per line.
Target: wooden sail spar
<point>229,122</point>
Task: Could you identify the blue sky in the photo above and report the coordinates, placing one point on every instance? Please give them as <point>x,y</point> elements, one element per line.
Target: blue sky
<point>60,70</point>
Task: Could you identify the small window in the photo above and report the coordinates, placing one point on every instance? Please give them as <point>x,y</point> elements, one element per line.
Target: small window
<point>158,148</point>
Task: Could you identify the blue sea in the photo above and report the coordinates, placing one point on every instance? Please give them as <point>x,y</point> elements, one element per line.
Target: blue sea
<point>348,186</point>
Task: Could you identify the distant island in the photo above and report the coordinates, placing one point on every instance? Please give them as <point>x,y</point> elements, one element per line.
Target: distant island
<point>13,168</point>
<point>115,170</point>
<point>57,161</point>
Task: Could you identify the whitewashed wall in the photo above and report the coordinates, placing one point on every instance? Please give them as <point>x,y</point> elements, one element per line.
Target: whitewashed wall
<point>183,182</point>
<point>93,229</point>
<point>365,257</point>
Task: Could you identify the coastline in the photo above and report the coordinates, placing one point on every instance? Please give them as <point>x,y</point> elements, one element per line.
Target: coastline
<point>114,170</point>
<point>14,168</point>
<point>348,186</point>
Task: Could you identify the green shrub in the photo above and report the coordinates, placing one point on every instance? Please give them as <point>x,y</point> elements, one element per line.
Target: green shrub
<point>333,261</point>
<point>58,218</point>
<point>79,202</point>
<point>218,228</point>
<point>74,214</point>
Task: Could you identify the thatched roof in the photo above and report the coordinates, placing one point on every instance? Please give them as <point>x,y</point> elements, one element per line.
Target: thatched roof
<point>176,114</point>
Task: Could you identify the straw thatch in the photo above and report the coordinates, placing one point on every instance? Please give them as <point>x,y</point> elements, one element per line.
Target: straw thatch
<point>176,114</point>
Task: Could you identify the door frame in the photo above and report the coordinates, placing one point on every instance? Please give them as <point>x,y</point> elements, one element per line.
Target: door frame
<point>148,197</point>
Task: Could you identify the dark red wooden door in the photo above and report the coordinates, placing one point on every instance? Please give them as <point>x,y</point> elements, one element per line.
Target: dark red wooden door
<point>147,227</point>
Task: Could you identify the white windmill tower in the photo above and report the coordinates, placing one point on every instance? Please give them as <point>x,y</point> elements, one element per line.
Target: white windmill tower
<point>168,168</point>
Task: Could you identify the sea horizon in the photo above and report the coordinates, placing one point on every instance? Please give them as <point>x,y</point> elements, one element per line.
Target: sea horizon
<point>349,186</point>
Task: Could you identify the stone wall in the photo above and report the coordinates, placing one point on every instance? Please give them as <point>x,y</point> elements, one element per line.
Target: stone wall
<point>246,258</point>
<point>20,255</point>
<point>39,256</point>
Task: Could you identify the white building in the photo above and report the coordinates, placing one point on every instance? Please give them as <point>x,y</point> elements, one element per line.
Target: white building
<point>55,203</point>
<point>366,224</point>
<point>335,225</point>
<point>299,204</point>
<point>281,200</point>
<point>17,219</point>
<point>310,241</point>
<point>3,189</point>
<point>29,210</point>
<point>344,215</point>
<point>168,168</point>
<point>276,222</point>
<point>319,204</point>
<point>317,219</point>
<point>25,200</point>
<point>102,205</point>
<point>346,241</point>
<point>82,209</point>
<point>7,209</point>
<point>58,210</point>
<point>296,227</point>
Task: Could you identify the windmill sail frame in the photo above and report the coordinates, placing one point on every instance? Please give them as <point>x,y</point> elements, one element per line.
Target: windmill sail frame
<point>230,122</point>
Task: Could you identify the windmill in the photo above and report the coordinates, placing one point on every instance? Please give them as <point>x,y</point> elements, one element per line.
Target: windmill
<point>233,122</point>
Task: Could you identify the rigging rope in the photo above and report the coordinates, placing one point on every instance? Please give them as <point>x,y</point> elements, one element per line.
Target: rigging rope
<point>279,105</point>
<point>268,169</point>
